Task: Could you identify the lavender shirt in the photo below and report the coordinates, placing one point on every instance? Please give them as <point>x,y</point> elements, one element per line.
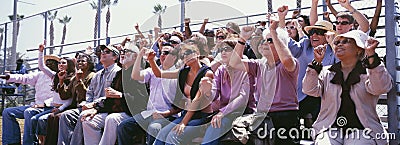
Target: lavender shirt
<point>237,88</point>
<point>285,97</point>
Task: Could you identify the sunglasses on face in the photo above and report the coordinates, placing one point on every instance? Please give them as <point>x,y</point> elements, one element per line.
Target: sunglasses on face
<point>186,53</point>
<point>220,37</point>
<point>316,31</point>
<point>81,61</point>
<point>123,51</point>
<point>62,62</point>
<point>164,52</point>
<point>342,23</point>
<point>269,40</point>
<point>105,51</point>
<point>291,28</point>
<point>344,41</point>
<point>173,42</point>
<point>226,49</point>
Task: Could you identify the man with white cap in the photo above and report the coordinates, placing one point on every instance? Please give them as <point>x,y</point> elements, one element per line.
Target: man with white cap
<point>349,91</point>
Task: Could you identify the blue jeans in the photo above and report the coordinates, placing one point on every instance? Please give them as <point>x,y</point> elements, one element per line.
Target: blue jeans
<point>191,131</point>
<point>42,121</point>
<point>213,134</point>
<point>11,130</point>
<point>38,118</point>
<point>135,126</point>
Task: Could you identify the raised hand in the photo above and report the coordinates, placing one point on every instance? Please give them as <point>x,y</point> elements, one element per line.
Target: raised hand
<point>282,11</point>
<point>246,32</point>
<point>372,44</point>
<point>345,3</point>
<point>329,36</point>
<point>187,20</point>
<point>319,53</point>
<point>136,27</point>
<point>41,47</point>
<point>274,21</point>
<point>295,14</point>
<point>205,20</point>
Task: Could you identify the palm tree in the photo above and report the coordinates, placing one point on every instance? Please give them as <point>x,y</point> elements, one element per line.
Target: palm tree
<point>96,18</point>
<point>51,17</point>
<point>63,21</point>
<point>158,10</point>
<point>108,15</point>
<point>13,52</point>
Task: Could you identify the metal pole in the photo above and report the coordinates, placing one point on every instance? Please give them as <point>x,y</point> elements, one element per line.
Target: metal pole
<point>5,48</point>
<point>15,31</point>
<point>45,29</point>
<point>98,21</point>
<point>324,8</point>
<point>391,55</point>
<point>182,15</point>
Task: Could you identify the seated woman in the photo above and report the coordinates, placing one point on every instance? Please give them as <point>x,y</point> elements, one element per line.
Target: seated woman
<point>76,90</point>
<point>197,101</point>
<point>349,91</point>
<point>66,70</point>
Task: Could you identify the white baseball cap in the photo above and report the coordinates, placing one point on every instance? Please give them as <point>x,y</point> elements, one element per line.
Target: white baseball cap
<point>359,36</point>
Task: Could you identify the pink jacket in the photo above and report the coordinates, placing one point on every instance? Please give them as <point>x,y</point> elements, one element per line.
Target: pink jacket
<point>365,95</point>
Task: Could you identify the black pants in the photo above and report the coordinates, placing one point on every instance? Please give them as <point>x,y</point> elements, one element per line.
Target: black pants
<point>284,122</point>
<point>311,105</point>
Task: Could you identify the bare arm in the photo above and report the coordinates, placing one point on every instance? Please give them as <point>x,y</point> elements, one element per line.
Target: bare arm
<point>157,71</point>
<point>236,59</point>
<point>331,8</point>
<point>360,18</point>
<point>203,26</point>
<point>188,32</point>
<point>313,12</point>
<point>138,31</point>
<point>375,19</point>
<point>136,73</point>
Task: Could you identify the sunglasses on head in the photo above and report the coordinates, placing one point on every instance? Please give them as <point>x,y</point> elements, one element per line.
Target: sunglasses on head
<point>317,31</point>
<point>344,41</point>
<point>226,49</point>
<point>342,23</point>
<point>186,53</point>
<point>291,28</point>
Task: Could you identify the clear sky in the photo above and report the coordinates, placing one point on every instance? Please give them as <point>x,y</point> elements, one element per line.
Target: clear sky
<point>124,15</point>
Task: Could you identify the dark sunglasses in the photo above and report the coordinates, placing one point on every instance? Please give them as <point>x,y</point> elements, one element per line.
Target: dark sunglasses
<point>269,40</point>
<point>123,51</point>
<point>105,51</point>
<point>291,28</point>
<point>344,41</point>
<point>186,53</point>
<point>226,49</point>
<point>167,44</point>
<point>81,60</point>
<point>164,52</point>
<point>62,62</point>
<point>342,23</point>
<point>317,31</point>
<point>220,37</point>
<point>173,42</point>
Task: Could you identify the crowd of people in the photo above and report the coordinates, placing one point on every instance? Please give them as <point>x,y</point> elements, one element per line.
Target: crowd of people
<point>208,85</point>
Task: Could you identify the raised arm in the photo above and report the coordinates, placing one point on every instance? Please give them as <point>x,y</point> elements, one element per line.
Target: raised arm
<point>41,64</point>
<point>138,31</point>
<point>331,8</point>
<point>157,71</point>
<point>236,60</point>
<point>375,19</point>
<point>188,32</point>
<point>203,26</point>
<point>282,12</point>
<point>314,12</point>
<point>360,18</point>
<point>280,43</point>
<point>136,71</point>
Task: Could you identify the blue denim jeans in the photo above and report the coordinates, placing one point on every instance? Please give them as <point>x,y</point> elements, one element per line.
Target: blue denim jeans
<point>11,130</point>
<point>41,127</point>
<point>213,135</point>
<point>191,131</point>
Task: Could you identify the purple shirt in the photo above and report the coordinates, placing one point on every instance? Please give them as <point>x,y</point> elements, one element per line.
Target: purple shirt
<point>233,94</point>
<point>285,97</point>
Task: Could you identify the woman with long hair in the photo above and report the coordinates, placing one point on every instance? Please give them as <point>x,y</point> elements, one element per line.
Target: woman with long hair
<point>193,98</point>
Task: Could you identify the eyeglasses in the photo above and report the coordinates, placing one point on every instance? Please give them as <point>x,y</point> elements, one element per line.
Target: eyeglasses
<point>173,42</point>
<point>291,28</point>
<point>317,31</point>
<point>269,40</point>
<point>342,23</point>
<point>186,53</point>
<point>123,51</point>
<point>105,51</point>
<point>226,49</point>
<point>344,41</point>
<point>62,62</point>
<point>220,37</point>
<point>81,60</point>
